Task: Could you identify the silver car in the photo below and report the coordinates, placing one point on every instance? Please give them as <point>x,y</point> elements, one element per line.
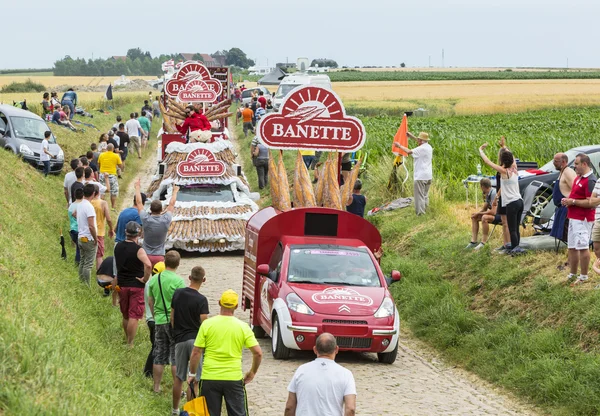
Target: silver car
<point>247,94</point>
<point>22,132</point>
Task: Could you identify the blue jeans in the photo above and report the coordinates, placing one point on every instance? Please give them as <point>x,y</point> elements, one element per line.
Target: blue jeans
<point>74,238</point>
<point>69,104</point>
<point>46,167</point>
<point>308,160</point>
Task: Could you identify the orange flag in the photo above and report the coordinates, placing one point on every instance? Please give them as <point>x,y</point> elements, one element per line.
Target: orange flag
<point>401,137</point>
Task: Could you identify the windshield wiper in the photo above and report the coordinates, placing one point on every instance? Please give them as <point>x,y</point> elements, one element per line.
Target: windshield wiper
<point>341,283</point>
<point>303,281</point>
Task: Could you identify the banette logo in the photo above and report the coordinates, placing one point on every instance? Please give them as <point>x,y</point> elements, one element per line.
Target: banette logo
<point>193,83</point>
<point>341,295</point>
<point>312,118</point>
<point>201,162</point>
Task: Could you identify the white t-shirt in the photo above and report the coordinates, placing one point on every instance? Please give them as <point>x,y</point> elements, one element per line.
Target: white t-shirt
<point>320,387</point>
<point>133,127</point>
<point>85,210</point>
<point>69,181</point>
<point>44,157</point>
<point>423,169</point>
<point>101,187</point>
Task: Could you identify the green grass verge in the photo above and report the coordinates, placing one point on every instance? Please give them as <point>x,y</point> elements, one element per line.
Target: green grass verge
<point>62,349</point>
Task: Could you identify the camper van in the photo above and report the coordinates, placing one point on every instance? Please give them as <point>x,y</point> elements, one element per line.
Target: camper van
<point>294,81</point>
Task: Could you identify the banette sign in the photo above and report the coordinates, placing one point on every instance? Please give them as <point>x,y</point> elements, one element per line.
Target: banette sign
<point>201,162</point>
<point>192,83</point>
<point>312,118</point>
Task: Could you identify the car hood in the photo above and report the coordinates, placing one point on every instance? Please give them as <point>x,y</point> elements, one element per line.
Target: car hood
<point>326,299</point>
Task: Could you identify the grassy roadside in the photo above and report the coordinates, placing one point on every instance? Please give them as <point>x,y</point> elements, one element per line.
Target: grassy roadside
<point>512,321</point>
<point>61,345</point>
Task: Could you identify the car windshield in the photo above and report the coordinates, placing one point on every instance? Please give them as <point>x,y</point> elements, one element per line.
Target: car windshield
<point>284,90</point>
<point>206,193</point>
<point>30,129</point>
<point>333,265</point>
<point>549,167</point>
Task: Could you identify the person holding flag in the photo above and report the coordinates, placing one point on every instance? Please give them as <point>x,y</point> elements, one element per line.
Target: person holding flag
<point>423,170</point>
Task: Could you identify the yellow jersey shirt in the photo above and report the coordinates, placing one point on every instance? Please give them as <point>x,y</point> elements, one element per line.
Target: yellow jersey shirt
<point>223,339</point>
<point>100,218</point>
<point>108,162</point>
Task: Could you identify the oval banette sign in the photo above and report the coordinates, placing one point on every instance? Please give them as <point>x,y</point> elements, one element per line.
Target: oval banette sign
<point>200,162</point>
<point>193,83</point>
<point>312,118</point>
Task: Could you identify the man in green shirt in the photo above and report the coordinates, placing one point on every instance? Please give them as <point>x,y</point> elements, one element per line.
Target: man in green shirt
<point>146,125</point>
<point>160,294</point>
<point>221,340</point>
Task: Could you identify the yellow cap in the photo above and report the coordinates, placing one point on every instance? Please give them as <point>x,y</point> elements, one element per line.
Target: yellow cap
<point>229,299</point>
<point>159,267</point>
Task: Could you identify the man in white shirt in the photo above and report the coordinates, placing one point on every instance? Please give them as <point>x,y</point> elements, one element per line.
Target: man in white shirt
<point>322,387</point>
<point>88,177</point>
<point>133,129</point>
<point>70,179</point>
<point>423,171</point>
<point>45,154</point>
<point>86,225</point>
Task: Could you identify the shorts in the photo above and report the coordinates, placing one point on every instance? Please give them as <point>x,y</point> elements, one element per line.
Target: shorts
<point>113,181</point>
<point>164,345</point>
<point>501,210</point>
<point>131,301</point>
<point>100,251</point>
<point>125,153</point>
<point>596,232</point>
<point>579,234</point>
<point>135,143</point>
<point>346,166</point>
<point>155,259</point>
<point>183,352</point>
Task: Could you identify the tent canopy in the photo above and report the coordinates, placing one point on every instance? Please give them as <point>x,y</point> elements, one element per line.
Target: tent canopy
<point>272,78</point>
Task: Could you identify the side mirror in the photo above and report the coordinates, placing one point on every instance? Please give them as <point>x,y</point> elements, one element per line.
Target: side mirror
<point>2,132</point>
<point>263,269</point>
<point>396,276</point>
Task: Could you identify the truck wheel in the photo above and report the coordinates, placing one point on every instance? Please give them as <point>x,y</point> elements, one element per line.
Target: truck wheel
<point>258,331</point>
<point>388,357</point>
<point>279,350</point>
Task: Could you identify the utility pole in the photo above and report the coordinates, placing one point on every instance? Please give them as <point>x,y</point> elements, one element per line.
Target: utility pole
<point>442,58</point>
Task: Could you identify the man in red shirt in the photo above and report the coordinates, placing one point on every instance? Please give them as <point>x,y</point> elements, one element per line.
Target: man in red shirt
<point>198,125</point>
<point>581,218</point>
<point>261,99</point>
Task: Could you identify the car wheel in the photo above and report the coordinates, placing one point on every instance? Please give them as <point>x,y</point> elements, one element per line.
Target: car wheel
<point>258,331</point>
<point>541,199</point>
<point>280,351</point>
<point>388,357</point>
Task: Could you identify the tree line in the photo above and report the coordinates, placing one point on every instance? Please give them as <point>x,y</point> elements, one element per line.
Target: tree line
<point>137,62</point>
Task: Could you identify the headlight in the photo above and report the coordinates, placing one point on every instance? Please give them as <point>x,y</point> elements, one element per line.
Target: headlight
<point>297,305</point>
<point>25,150</point>
<point>386,309</point>
<point>60,156</point>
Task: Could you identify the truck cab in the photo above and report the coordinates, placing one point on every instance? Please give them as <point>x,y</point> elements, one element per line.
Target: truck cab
<point>312,270</point>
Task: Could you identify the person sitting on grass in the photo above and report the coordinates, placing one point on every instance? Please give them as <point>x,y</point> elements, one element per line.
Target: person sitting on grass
<point>486,216</point>
<point>58,117</point>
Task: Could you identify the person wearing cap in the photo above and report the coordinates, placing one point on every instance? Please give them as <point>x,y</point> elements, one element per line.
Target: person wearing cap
<point>156,224</point>
<point>108,162</point>
<point>127,215</point>
<point>423,170</point>
<point>158,268</point>
<point>133,271</point>
<point>160,294</point>
<point>221,340</point>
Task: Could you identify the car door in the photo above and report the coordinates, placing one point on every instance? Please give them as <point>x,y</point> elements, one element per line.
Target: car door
<point>269,285</point>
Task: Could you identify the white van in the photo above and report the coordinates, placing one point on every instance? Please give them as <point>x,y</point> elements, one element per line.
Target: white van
<point>293,81</point>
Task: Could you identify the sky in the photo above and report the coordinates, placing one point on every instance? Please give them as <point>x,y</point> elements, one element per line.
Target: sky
<point>472,33</point>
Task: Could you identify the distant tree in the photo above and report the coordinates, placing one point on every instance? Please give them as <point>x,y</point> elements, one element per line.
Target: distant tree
<point>197,57</point>
<point>237,57</point>
<point>402,65</point>
<point>135,53</point>
<point>323,62</point>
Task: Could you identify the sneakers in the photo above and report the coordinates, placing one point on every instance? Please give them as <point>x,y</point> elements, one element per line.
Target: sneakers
<point>503,249</point>
<point>571,277</point>
<point>471,245</point>
<point>479,246</point>
<point>175,412</point>
<point>517,251</point>
<point>580,280</point>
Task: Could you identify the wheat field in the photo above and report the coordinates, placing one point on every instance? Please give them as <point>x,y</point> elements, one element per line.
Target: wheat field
<point>50,81</point>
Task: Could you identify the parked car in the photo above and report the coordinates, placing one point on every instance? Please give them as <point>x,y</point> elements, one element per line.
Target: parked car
<point>247,94</point>
<point>22,132</point>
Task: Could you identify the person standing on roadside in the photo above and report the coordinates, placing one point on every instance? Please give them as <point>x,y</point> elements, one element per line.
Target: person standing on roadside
<point>119,121</point>
<point>45,154</point>
<point>423,170</point>
<point>127,215</point>
<point>73,228</point>
<point>88,177</point>
<point>581,216</point>
<point>124,141</point>
<point>133,129</point>
<point>108,163</point>
<point>156,107</point>
<point>158,268</point>
<point>562,188</point>
<point>247,117</point>
<point>69,99</point>
<point>70,179</point>
<point>260,160</point>
<point>221,340</point>
<point>145,123</point>
<point>87,234</point>
<point>261,99</point>
<point>160,294</point>
<point>78,184</point>
<point>102,218</point>
<point>189,309</point>
<point>155,224</point>
<point>322,387</point>
<point>133,271</point>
